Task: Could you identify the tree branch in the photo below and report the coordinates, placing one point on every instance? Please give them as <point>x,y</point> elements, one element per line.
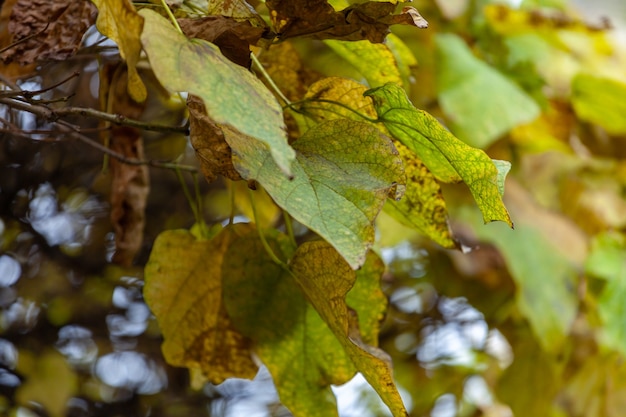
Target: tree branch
<point>53,117</point>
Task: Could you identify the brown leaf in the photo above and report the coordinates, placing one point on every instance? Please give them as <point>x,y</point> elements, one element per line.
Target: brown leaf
<point>130,183</point>
<point>57,28</point>
<point>318,19</point>
<point>208,140</point>
<point>232,37</point>
<point>239,10</point>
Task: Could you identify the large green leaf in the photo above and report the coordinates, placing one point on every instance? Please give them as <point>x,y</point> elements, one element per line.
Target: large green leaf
<point>303,356</point>
<point>542,258</point>
<point>183,287</point>
<point>600,101</point>
<point>449,159</point>
<point>607,260</point>
<point>325,279</point>
<point>232,95</point>
<point>480,103</point>
<point>422,207</point>
<point>344,171</point>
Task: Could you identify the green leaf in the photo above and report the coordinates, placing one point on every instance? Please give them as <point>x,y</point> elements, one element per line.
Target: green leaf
<point>607,260</point>
<point>232,95</point>
<point>367,298</point>
<point>344,171</point>
<point>542,258</point>
<point>449,159</point>
<point>374,61</point>
<point>601,101</point>
<point>531,383</point>
<point>119,21</point>
<point>325,279</point>
<point>183,287</point>
<point>480,103</point>
<point>303,356</point>
<point>422,206</point>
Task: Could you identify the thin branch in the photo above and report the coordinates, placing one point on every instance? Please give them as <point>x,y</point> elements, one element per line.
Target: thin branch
<point>53,115</point>
<point>121,120</point>
<point>34,35</point>
<point>74,132</point>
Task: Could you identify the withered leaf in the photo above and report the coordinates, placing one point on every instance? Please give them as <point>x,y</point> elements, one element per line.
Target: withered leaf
<point>130,184</point>
<point>58,25</point>
<point>239,10</point>
<point>318,19</point>
<point>208,141</point>
<point>232,37</point>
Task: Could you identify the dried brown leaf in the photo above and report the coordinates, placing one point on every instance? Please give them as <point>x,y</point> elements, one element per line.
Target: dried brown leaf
<point>208,140</point>
<point>56,27</point>
<point>232,37</point>
<point>130,183</point>
<point>318,19</point>
<point>239,10</point>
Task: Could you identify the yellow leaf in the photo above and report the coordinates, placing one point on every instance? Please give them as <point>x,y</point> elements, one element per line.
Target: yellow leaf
<point>184,289</point>
<point>118,20</point>
<point>325,278</point>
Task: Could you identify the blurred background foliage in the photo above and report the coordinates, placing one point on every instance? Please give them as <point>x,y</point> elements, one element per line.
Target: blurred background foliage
<point>528,321</point>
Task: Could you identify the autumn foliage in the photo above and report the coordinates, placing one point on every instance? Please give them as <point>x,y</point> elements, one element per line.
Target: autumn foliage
<point>330,165</point>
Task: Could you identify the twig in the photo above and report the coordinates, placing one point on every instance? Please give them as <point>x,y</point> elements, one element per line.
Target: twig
<point>34,35</point>
<point>53,115</point>
<point>73,131</point>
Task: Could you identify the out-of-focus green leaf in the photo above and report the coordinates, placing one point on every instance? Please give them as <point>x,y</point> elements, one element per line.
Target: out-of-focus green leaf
<point>183,287</point>
<point>598,388</point>
<point>480,103</point>
<point>325,279</point>
<point>49,382</point>
<point>343,173</point>
<point>374,61</point>
<point>118,20</point>
<point>530,384</point>
<point>303,356</point>
<point>422,207</point>
<point>607,260</point>
<point>449,159</point>
<point>545,275</point>
<point>232,95</point>
<point>600,101</point>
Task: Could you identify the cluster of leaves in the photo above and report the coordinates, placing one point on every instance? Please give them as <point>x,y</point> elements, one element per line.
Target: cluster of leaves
<point>219,296</point>
<point>334,153</point>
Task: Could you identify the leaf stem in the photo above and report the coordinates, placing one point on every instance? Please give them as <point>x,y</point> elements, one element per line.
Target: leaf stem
<point>171,16</point>
<point>266,245</point>
<point>231,193</point>
<point>269,80</point>
<point>336,103</point>
<point>187,194</point>
<point>289,227</point>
